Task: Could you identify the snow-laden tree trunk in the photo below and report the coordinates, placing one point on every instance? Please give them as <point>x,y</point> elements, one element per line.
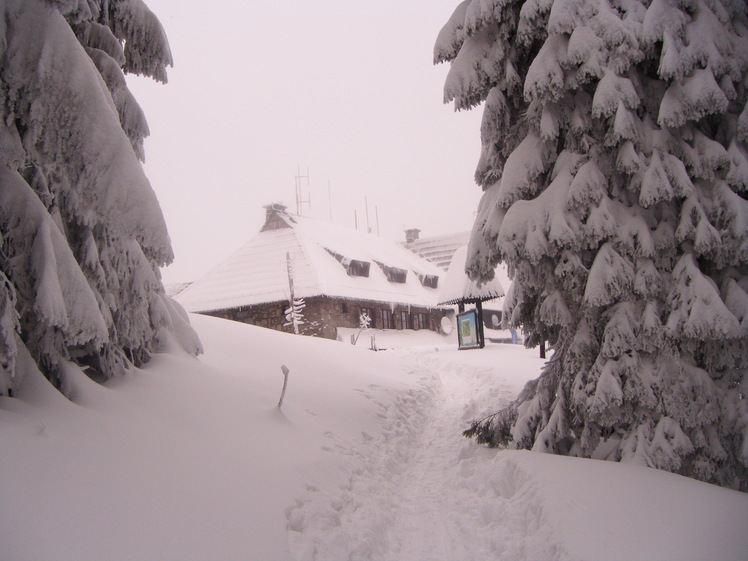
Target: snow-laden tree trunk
<point>615,170</point>
<point>82,232</point>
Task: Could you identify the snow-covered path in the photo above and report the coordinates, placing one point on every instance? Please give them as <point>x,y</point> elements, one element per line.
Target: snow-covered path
<point>409,493</point>
<point>433,516</point>
<point>419,491</point>
<point>364,462</point>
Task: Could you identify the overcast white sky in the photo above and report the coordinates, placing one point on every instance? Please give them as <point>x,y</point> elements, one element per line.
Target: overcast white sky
<point>344,89</point>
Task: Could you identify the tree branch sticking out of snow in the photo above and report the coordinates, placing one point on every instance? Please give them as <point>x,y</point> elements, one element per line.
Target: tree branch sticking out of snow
<point>614,167</point>
<point>285,371</point>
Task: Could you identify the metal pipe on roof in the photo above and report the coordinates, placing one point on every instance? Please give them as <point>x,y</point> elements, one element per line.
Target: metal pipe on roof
<point>366,204</point>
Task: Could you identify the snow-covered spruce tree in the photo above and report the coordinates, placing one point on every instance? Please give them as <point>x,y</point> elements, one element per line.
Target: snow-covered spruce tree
<point>615,170</point>
<point>82,232</point>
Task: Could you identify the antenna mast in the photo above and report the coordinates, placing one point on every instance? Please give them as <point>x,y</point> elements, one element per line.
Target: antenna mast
<point>300,202</point>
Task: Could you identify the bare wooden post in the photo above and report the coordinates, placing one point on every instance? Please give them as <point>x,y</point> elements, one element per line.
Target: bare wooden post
<point>284,369</point>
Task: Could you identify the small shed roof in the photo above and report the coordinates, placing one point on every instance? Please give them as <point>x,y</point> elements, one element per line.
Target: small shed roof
<point>458,288</point>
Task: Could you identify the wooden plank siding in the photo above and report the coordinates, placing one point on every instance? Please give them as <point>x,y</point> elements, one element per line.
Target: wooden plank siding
<point>323,315</point>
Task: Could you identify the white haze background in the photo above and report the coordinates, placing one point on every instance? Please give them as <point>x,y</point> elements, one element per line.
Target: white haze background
<point>346,90</point>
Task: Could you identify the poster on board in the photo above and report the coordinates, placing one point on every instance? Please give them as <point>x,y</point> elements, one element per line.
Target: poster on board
<point>469,330</point>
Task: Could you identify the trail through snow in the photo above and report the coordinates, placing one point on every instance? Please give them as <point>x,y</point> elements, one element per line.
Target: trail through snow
<point>364,462</point>
<point>413,493</point>
<point>418,490</point>
<point>432,517</point>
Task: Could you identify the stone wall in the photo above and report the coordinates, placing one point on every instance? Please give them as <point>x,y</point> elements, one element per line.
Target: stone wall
<point>323,315</point>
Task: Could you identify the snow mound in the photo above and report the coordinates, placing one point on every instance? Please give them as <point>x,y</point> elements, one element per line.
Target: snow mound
<point>191,459</point>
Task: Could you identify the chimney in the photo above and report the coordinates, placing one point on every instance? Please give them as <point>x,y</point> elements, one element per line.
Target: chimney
<point>274,208</point>
<point>411,235</point>
<point>274,214</point>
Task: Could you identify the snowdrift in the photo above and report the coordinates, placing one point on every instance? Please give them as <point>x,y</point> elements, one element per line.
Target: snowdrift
<point>191,459</point>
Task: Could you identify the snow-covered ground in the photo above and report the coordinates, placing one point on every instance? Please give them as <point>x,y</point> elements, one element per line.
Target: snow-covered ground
<point>191,459</point>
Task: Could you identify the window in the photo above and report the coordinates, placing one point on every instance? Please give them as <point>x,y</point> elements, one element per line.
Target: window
<point>393,274</point>
<point>358,268</point>
<point>344,307</point>
<point>404,323</point>
<point>387,321</point>
<point>423,321</point>
<point>432,281</point>
<point>420,320</point>
<point>354,267</point>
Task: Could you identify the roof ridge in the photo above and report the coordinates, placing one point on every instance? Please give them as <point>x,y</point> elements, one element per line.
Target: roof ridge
<point>302,243</point>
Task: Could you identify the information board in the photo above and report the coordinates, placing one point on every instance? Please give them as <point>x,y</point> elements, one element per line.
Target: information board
<point>469,330</point>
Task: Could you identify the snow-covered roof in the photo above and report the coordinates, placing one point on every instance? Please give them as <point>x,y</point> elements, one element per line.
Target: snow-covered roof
<point>458,287</point>
<point>325,260</point>
<point>174,288</point>
<point>438,249</point>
